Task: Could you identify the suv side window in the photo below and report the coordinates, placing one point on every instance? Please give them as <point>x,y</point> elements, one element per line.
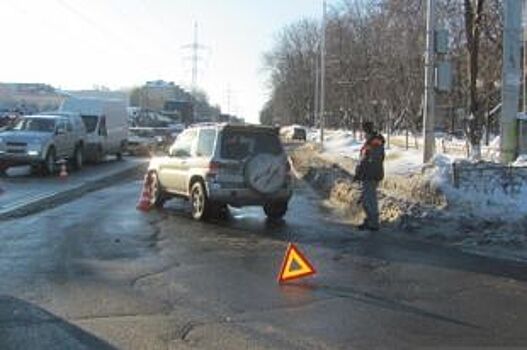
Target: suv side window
<point>69,127</point>
<point>183,145</point>
<point>206,142</point>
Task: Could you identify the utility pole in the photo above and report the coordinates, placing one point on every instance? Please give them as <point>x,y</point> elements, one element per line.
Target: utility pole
<point>429,103</point>
<point>323,73</point>
<point>317,82</point>
<point>524,24</point>
<point>511,75</point>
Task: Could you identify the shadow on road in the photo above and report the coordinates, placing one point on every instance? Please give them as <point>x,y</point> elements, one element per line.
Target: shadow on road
<point>305,225</point>
<point>378,301</point>
<point>26,326</point>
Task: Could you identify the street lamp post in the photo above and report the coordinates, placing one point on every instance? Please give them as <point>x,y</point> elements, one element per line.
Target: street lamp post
<point>323,73</point>
<point>429,102</point>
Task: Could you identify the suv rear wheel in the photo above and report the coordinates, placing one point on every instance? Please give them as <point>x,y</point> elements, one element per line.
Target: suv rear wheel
<point>199,201</point>
<point>275,210</point>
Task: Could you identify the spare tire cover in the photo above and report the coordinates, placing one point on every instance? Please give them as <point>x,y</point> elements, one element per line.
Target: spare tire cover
<point>266,173</point>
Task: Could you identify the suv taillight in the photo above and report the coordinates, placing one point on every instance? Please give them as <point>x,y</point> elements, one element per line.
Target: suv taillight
<point>214,168</point>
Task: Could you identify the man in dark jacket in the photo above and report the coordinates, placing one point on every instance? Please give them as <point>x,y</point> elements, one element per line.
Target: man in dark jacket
<point>369,172</point>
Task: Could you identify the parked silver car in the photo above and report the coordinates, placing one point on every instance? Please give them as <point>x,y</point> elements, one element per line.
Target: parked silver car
<point>42,140</point>
<point>221,164</point>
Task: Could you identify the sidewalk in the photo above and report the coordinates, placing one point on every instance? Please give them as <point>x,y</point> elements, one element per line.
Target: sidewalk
<point>21,192</point>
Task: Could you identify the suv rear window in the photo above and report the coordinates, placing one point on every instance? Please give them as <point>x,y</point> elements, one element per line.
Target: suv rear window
<point>237,144</point>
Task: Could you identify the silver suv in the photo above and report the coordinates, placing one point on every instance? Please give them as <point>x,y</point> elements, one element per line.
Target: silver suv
<point>42,140</point>
<point>216,165</point>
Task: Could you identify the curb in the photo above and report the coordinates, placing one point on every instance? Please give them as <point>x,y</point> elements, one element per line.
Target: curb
<point>52,200</point>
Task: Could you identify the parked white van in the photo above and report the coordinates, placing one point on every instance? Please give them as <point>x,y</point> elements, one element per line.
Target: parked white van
<point>106,122</point>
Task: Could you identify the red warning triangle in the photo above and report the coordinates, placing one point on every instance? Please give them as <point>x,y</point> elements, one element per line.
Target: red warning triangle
<point>295,265</point>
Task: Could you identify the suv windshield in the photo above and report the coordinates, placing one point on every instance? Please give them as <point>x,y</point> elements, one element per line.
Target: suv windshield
<point>90,121</point>
<point>35,124</point>
<point>241,144</point>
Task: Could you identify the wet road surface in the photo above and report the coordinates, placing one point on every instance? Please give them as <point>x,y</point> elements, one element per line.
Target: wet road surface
<point>96,273</point>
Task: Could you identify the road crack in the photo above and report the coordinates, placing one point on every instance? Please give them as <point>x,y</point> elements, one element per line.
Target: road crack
<point>133,282</point>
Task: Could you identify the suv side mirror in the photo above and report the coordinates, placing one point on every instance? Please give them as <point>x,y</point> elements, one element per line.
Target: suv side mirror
<point>60,130</point>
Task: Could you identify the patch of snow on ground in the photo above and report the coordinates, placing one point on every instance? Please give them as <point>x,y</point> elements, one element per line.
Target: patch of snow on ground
<point>340,142</point>
<point>400,161</point>
<point>521,160</point>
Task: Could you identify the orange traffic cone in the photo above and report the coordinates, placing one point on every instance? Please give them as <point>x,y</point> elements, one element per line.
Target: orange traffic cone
<point>144,203</point>
<point>63,170</point>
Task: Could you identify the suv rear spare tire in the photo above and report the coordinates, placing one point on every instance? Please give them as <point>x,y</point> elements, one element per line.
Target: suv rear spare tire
<point>266,173</point>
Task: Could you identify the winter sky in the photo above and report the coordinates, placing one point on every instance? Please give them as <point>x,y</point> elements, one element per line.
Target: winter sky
<point>76,44</point>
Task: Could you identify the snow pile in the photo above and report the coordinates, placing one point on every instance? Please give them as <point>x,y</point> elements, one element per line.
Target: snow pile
<point>521,160</point>
<point>441,174</point>
<point>493,150</point>
<point>313,135</point>
<point>467,201</point>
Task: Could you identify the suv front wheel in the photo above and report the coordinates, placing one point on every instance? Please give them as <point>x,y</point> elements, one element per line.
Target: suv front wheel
<point>199,201</point>
<point>275,210</point>
<point>158,197</point>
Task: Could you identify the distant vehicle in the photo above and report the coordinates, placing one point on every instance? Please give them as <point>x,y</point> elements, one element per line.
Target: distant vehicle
<point>147,140</point>
<point>458,134</point>
<point>141,142</point>
<point>106,122</point>
<point>294,133</point>
<point>42,140</point>
<point>218,165</point>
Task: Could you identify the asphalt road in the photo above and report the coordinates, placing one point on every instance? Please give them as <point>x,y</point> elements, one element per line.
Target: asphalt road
<point>96,273</point>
